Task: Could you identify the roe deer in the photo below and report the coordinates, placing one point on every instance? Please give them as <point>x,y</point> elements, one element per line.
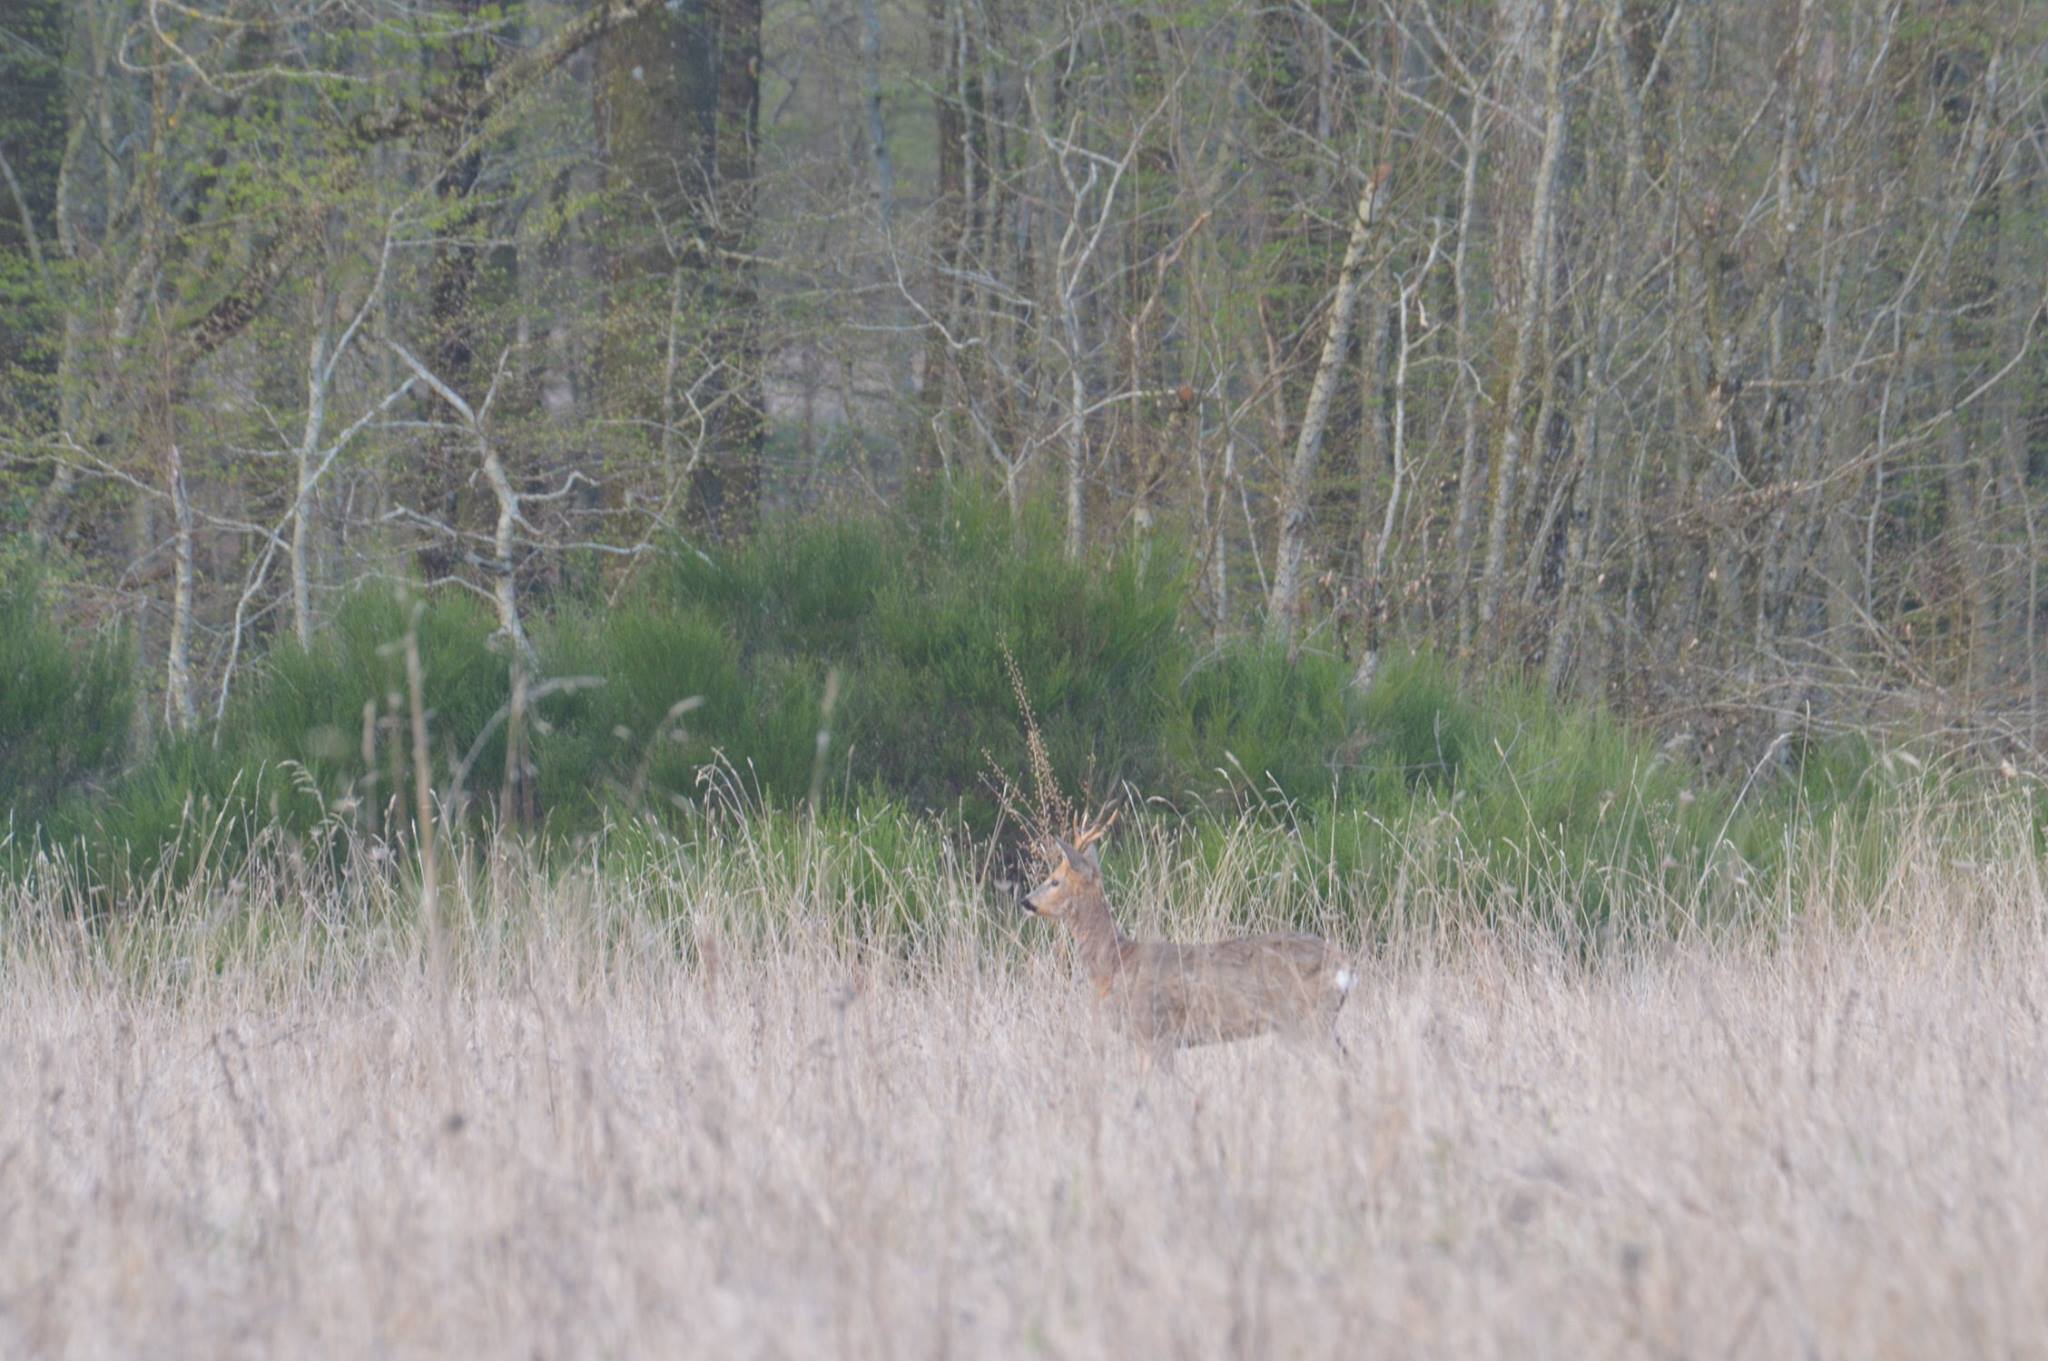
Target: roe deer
<point>1167,995</point>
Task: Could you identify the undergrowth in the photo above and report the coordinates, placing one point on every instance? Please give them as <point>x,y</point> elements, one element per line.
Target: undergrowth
<point>63,710</point>
<point>691,712</point>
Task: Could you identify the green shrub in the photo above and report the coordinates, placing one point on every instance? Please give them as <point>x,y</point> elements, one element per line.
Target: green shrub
<point>689,712</point>
<point>64,709</point>
<point>1094,643</point>
<point>1418,725</point>
<point>804,586</point>
<point>289,749</point>
<point>666,678</point>
<point>1249,724</point>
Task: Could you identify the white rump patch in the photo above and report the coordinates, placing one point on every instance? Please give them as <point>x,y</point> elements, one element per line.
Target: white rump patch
<point>1344,978</point>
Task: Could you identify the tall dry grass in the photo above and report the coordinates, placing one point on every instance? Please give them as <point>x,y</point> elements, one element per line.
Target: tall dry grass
<point>691,1112</point>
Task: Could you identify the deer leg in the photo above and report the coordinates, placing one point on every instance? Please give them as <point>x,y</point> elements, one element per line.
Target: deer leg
<point>1155,1060</point>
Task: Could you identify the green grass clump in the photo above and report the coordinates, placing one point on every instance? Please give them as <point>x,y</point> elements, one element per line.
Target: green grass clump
<point>808,586</point>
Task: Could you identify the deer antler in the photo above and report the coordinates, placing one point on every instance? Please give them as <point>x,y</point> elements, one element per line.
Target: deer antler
<point>1096,828</point>
<point>1053,844</point>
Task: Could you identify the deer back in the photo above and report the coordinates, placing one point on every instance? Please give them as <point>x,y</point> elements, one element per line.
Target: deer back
<point>1175,994</point>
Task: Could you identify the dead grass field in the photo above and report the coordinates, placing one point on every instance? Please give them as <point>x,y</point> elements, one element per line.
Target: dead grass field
<point>606,1132</point>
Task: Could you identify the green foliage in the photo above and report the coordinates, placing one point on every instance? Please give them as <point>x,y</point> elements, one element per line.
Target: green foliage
<point>63,709</point>
<point>689,713</point>
<point>1248,720</point>
<point>672,699</point>
<point>1095,644</point>
<point>1422,727</point>
<point>794,587</point>
<point>916,614</point>
<point>311,705</point>
<point>289,751</point>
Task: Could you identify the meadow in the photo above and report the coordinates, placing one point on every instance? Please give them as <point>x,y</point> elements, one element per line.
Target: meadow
<point>703,1021</point>
<point>730,1104</point>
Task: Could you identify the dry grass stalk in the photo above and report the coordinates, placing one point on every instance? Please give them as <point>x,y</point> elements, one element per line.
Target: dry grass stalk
<point>229,1129</point>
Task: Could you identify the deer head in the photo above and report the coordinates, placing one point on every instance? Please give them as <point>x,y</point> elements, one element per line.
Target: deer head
<point>1076,869</point>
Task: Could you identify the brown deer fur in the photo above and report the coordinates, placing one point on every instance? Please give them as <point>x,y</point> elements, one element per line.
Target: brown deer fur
<point>1167,995</point>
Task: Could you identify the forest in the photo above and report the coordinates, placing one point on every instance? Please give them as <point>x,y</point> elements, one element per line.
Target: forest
<point>1681,359</point>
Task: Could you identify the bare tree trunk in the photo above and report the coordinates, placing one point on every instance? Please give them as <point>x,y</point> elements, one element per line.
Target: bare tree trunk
<point>308,459</point>
<point>727,493</point>
<point>1535,266</point>
<point>1467,514</point>
<point>1076,423</point>
<point>451,348</point>
<point>1373,588</point>
<point>181,707</point>
<point>1591,439</point>
<point>1548,458</point>
<point>502,568</point>
<point>1219,552</point>
<point>2024,403</point>
<point>949,226</point>
<point>878,134</point>
<point>1590,462</point>
<point>1283,604</point>
<point>1090,200</point>
<point>655,98</point>
<point>1397,443</point>
<point>1955,291</point>
<point>504,574</point>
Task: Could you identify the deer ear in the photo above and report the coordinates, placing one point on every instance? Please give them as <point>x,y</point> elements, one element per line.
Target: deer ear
<point>1092,858</point>
<point>1075,859</point>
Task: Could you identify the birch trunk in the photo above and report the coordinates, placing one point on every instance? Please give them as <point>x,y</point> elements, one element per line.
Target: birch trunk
<point>1283,603</point>
<point>181,707</point>
<point>308,461</point>
<point>1468,461</point>
<point>1077,422</point>
<point>505,582</point>
<point>1397,445</point>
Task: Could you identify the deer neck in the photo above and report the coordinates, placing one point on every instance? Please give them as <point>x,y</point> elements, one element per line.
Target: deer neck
<point>1101,945</point>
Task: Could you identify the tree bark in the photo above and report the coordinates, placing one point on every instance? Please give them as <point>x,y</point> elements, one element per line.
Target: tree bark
<point>502,567</point>
<point>878,132</point>
<point>949,226</point>
<point>33,136</point>
<point>656,96</point>
<point>180,704</point>
<point>1535,265</point>
<point>1283,602</point>
<point>307,462</point>
<point>1466,517</point>
<point>727,493</point>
